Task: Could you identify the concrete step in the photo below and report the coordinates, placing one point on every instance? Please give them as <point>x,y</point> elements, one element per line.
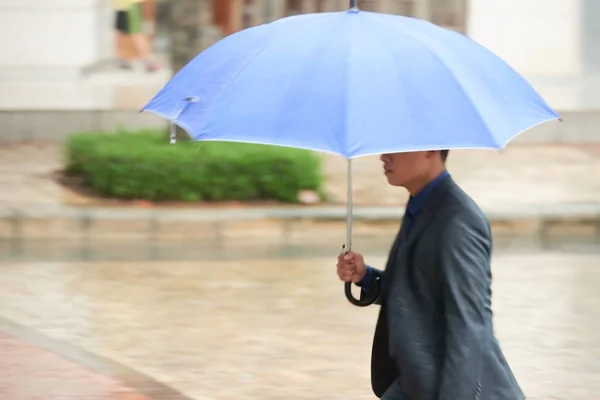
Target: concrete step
<point>266,222</point>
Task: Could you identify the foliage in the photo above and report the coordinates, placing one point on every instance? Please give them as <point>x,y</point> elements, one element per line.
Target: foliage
<point>144,166</point>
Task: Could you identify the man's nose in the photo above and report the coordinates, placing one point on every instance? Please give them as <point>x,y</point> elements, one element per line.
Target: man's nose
<point>384,157</point>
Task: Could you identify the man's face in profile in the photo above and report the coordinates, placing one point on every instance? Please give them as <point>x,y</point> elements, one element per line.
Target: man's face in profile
<point>403,168</point>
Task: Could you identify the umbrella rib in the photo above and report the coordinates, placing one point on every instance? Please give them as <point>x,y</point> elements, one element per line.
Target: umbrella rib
<point>461,87</point>
<point>262,49</point>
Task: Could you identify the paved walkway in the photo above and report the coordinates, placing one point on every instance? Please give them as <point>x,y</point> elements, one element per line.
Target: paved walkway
<point>522,176</point>
<point>519,176</point>
<point>271,328</point>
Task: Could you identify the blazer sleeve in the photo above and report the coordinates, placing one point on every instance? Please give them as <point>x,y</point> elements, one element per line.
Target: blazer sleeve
<point>466,279</point>
<point>373,290</point>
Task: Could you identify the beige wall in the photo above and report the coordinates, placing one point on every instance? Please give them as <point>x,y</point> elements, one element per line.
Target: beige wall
<point>48,37</point>
<point>536,37</point>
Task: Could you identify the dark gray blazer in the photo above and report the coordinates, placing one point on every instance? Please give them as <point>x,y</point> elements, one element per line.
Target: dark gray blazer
<point>434,332</point>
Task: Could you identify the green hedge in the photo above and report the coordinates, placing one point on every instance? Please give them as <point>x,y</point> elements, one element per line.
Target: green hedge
<point>144,166</point>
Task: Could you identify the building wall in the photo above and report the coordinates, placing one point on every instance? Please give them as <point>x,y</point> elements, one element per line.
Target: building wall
<point>227,15</point>
<point>591,36</point>
<point>539,38</point>
<point>448,13</point>
<point>48,38</point>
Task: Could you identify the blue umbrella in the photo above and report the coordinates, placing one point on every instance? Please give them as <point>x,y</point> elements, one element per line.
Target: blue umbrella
<point>352,83</point>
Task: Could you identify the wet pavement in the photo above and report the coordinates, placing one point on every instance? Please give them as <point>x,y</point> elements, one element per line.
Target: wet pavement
<point>271,327</point>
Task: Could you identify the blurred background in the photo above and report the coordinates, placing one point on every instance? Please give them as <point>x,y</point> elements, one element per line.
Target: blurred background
<point>135,269</point>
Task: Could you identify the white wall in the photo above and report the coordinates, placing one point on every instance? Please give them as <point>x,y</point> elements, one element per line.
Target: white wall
<point>539,38</point>
<point>591,37</point>
<point>46,35</point>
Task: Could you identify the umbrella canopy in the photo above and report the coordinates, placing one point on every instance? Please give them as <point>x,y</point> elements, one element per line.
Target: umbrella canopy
<point>351,83</point>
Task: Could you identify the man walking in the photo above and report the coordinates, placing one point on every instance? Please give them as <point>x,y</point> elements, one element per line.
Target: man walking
<point>434,338</point>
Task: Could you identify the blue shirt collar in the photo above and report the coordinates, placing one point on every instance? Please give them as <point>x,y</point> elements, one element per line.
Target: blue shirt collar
<point>415,203</point>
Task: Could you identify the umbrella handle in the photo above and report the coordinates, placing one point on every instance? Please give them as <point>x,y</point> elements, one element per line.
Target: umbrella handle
<point>367,301</point>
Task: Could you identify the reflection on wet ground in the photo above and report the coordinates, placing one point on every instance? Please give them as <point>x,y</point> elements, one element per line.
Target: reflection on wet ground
<point>274,324</point>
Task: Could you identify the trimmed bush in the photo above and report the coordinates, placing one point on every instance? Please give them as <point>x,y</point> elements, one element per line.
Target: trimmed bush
<point>144,166</point>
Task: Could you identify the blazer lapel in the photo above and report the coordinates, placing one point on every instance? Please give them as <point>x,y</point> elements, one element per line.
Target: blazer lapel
<point>402,244</point>
<point>425,216</point>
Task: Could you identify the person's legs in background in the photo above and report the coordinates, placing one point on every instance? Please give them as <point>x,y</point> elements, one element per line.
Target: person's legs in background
<point>122,27</point>
<point>139,38</point>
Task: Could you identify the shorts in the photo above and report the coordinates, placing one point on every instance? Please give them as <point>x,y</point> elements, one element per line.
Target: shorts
<point>130,21</point>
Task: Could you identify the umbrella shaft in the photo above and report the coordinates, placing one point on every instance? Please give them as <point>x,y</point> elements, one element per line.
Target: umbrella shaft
<point>349,208</point>
<point>353,4</point>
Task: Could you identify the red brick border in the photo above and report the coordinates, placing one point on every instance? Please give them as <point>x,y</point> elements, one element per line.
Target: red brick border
<point>34,366</point>
<point>31,373</point>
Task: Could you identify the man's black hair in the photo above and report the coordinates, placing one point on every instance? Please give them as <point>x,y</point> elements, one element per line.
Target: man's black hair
<point>444,154</point>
